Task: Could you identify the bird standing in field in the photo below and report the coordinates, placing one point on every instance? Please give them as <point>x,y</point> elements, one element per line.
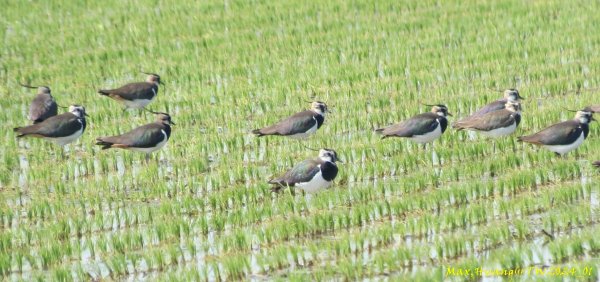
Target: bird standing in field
<point>596,164</point>
<point>422,128</point>
<point>147,138</point>
<point>135,95</point>
<point>511,95</point>
<point>496,123</point>
<point>61,129</point>
<point>310,176</point>
<point>298,126</point>
<point>563,137</point>
<point>43,105</point>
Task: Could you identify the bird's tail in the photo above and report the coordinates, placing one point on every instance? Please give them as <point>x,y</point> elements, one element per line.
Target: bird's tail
<point>105,145</point>
<point>257,132</point>
<point>458,126</point>
<point>104,92</point>
<point>525,139</point>
<point>18,130</point>
<point>380,131</point>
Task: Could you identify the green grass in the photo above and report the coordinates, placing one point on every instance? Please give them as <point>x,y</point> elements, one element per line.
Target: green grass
<point>201,209</point>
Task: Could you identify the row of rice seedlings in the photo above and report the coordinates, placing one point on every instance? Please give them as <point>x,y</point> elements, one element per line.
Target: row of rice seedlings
<point>62,236</point>
<point>518,212</point>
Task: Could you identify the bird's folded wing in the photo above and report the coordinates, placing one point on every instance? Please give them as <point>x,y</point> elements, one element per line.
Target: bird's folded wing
<point>41,107</point>
<point>298,123</point>
<point>418,125</point>
<point>559,134</point>
<point>301,172</point>
<point>133,91</point>
<point>491,121</point>
<point>56,126</point>
<point>142,137</point>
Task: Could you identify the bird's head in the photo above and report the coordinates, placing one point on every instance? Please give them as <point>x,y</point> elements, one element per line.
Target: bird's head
<point>512,95</point>
<point>328,155</point>
<point>319,107</point>
<point>78,110</point>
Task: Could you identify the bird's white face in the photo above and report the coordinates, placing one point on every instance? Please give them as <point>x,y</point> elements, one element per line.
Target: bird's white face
<point>319,107</point>
<point>512,95</point>
<point>77,110</point>
<point>328,155</point>
<point>153,78</point>
<point>440,110</point>
<point>584,117</point>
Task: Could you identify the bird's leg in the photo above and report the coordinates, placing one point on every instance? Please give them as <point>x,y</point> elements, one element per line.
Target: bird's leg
<point>494,147</point>
<point>147,157</point>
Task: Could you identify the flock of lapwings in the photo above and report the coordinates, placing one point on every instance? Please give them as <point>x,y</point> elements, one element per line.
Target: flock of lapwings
<point>497,119</point>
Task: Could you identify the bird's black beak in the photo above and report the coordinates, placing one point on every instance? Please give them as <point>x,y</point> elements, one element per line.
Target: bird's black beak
<point>592,118</point>
<point>85,114</point>
<point>449,114</point>
<point>172,123</point>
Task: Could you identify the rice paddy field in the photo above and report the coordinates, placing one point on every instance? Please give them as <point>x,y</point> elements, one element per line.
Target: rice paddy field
<point>201,208</point>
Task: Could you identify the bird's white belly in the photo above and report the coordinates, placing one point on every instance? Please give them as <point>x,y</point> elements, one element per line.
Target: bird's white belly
<point>499,132</point>
<point>306,134</point>
<point>137,104</point>
<point>563,149</point>
<point>66,139</point>
<point>316,184</point>
<point>429,136</point>
<point>152,149</point>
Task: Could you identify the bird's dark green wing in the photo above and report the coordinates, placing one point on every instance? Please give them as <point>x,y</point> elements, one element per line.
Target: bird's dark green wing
<point>57,126</point>
<point>134,91</point>
<point>417,125</point>
<point>558,134</point>
<point>301,172</point>
<point>145,136</point>
<point>298,123</point>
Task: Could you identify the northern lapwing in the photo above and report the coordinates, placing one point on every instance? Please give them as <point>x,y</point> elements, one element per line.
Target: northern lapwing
<point>298,126</point>
<point>146,138</point>
<point>496,123</point>
<point>563,137</point>
<point>310,176</point>
<point>135,95</point>
<point>509,95</point>
<point>422,128</point>
<point>43,105</point>
<point>61,129</point>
